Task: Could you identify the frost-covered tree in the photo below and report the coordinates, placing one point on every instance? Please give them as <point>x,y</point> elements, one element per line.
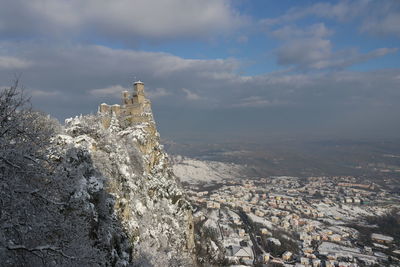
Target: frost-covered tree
<point>24,134</point>
<point>47,215</point>
<point>86,195</point>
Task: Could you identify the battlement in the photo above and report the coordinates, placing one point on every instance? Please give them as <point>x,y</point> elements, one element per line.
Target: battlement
<point>135,107</point>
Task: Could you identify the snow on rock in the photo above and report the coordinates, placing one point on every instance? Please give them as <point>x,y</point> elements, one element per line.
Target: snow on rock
<point>131,166</point>
<point>274,240</point>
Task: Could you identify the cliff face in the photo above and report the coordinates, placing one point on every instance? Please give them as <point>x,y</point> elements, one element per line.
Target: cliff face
<point>141,190</point>
<point>99,192</point>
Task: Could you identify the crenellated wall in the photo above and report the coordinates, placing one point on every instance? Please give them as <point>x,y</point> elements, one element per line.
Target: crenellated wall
<point>135,108</point>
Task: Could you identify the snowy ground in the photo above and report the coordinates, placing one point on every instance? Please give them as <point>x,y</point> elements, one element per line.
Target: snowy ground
<point>196,171</point>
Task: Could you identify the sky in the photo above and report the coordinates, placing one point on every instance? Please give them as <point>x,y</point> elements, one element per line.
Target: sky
<point>215,70</point>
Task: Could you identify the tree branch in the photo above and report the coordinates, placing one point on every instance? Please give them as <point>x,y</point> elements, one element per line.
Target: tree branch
<point>10,163</point>
<point>48,200</point>
<point>40,248</point>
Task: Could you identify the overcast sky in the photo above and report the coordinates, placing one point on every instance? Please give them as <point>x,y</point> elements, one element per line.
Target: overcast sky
<point>214,69</point>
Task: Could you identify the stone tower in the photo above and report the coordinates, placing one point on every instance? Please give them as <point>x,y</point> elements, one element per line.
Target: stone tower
<point>139,91</point>
<point>135,108</point>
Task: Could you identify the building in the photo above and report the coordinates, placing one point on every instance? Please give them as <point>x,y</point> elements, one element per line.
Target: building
<point>241,232</point>
<point>266,257</point>
<point>135,108</point>
<point>264,231</point>
<point>305,261</point>
<point>240,253</point>
<point>316,263</point>
<point>382,238</point>
<point>287,256</point>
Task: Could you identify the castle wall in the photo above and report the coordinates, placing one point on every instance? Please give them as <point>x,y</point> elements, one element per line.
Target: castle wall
<point>116,109</point>
<point>104,108</point>
<point>135,109</point>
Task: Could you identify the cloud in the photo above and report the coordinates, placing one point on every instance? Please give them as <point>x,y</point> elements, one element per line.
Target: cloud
<point>44,94</point>
<point>123,20</point>
<point>383,25</point>
<point>304,52</point>
<point>343,10</point>
<point>256,102</point>
<point>191,95</point>
<point>13,63</point>
<point>156,93</point>
<point>85,75</point>
<point>380,18</point>
<point>113,90</point>
<point>318,54</point>
<point>310,48</point>
<point>318,30</point>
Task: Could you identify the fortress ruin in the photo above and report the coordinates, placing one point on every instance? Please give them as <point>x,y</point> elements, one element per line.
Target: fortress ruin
<point>135,108</point>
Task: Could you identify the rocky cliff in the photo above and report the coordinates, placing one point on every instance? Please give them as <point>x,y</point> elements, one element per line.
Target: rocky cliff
<point>91,196</point>
<point>143,194</point>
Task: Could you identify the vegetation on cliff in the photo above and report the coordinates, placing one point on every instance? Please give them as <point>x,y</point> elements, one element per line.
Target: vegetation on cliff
<point>84,195</point>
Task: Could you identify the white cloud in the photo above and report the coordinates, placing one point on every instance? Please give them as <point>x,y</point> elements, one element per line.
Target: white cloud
<point>386,25</point>
<point>318,54</point>
<point>304,52</point>
<point>318,30</point>
<point>7,62</point>
<point>86,75</point>
<point>40,93</point>
<point>156,93</point>
<point>124,19</point>
<point>342,10</point>
<point>380,18</point>
<point>256,102</point>
<point>191,95</point>
<point>114,90</point>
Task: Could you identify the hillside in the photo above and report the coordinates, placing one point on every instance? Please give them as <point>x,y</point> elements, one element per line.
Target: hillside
<point>88,195</point>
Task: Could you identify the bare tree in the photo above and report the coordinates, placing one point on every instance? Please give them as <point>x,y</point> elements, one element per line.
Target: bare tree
<point>49,213</point>
<point>24,134</point>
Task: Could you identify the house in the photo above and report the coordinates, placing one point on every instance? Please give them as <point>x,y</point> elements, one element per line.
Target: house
<point>285,224</point>
<point>308,250</point>
<point>266,257</point>
<point>383,239</point>
<point>237,221</point>
<point>259,213</point>
<point>305,261</point>
<point>331,257</point>
<point>210,205</point>
<point>274,219</point>
<point>304,236</point>
<point>330,263</point>
<point>264,231</point>
<point>349,200</point>
<point>335,238</point>
<point>241,232</point>
<point>240,253</point>
<point>287,255</point>
<point>294,222</point>
<point>246,209</point>
<point>316,262</point>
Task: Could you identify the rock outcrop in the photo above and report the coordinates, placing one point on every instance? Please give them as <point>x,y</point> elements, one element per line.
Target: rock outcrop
<point>94,194</point>
<point>146,199</point>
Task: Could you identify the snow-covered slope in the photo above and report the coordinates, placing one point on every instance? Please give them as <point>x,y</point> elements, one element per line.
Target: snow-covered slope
<point>98,192</point>
<point>197,171</point>
<point>144,197</point>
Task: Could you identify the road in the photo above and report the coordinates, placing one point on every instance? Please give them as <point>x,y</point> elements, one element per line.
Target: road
<point>250,229</point>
